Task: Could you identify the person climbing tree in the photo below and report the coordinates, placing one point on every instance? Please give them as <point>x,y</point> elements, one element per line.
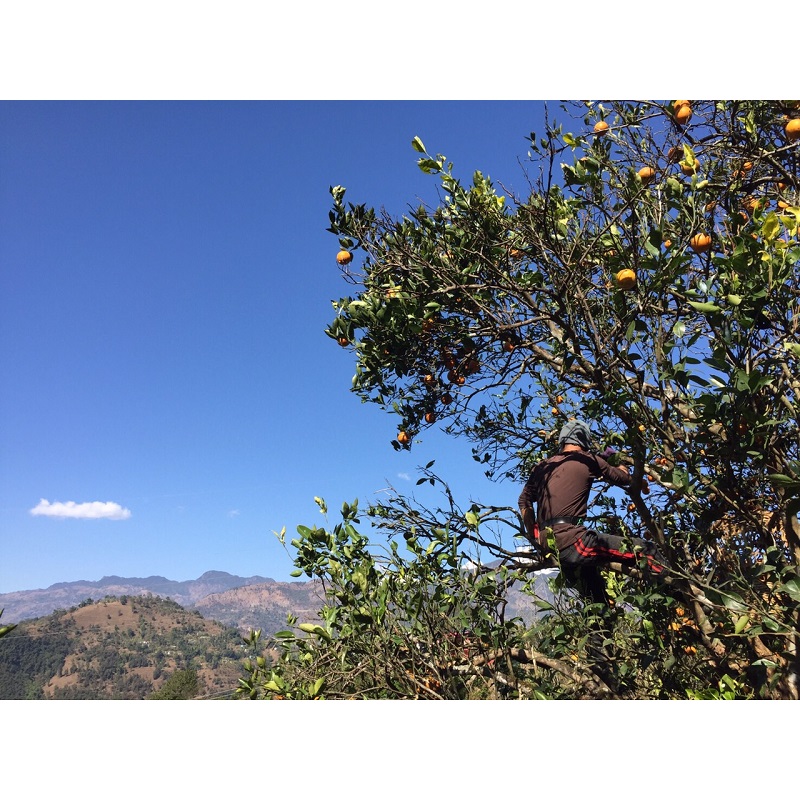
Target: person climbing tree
<point>560,486</point>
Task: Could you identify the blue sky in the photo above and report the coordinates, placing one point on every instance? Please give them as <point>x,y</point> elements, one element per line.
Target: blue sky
<point>165,281</point>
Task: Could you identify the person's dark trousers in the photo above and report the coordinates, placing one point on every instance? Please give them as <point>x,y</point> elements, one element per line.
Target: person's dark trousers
<point>581,562</point>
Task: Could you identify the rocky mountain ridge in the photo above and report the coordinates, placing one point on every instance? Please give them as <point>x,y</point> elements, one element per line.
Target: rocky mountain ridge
<point>33,603</point>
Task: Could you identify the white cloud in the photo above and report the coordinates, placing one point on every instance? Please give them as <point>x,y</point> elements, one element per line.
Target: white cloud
<point>404,476</point>
<point>73,510</point>
<point>234,512</point>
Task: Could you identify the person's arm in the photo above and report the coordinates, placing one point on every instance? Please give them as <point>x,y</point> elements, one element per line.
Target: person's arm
<point>616,476</point>
<point>526,510</point>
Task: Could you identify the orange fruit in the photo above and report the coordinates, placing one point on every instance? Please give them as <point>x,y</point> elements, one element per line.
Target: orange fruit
<point>688,169</point>
<point>454,377</point>
<point>516,254</point>
<point>601,128</point>
<point>559,399</point>
<point>343,341</point>
<point>447,399</point>
<point>700,242</point>
<point>631,506</point>
<point>472,366</point>
<point>676,104</point>
<point>667,244</point>
<point>429,380</point>
<point>646,174</point>
<point>343,257</point>
<point>747,166</point>
<point>430,417</point>
<point>626,279</point>
<point>750,203</point>
<point>554,412</point>
<point>509,347</point>
<point>793,130</point>
<point>683,115</point>
<point>403,437</point>
<point>674,154</point>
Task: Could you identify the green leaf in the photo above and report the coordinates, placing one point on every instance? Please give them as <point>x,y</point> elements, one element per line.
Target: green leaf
<point>316,630</point>
<point>472,519</point>
<point>416,143</point>
<point>428,165</point>
<point>771,226</point>
<point>792,588</point>
<point>296,573</point>
<point>733,299</point>
<point>784,481</point>
<point>705,308</point>
<point>741,623</point>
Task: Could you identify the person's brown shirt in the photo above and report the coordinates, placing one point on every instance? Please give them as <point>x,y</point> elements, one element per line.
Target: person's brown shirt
<point>560,486</point>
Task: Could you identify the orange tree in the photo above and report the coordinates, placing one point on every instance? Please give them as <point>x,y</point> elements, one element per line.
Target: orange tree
<point>647,281</point>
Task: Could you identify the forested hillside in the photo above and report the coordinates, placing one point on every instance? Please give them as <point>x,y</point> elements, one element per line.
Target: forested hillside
<point>117,649</point>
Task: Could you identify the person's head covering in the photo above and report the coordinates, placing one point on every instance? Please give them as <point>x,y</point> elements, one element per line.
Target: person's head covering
<point>575,432</point>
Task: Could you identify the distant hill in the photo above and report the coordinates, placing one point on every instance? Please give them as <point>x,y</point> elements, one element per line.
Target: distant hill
<point>118,649</point>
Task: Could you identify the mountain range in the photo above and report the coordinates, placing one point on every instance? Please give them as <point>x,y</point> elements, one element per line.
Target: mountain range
<point>243,603</point>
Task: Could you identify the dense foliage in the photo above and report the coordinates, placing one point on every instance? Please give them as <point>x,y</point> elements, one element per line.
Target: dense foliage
<point>184,684</point>
<point>647,281</point>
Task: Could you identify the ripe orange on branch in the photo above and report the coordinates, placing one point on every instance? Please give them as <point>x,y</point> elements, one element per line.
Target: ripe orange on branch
<point>682,111</point>
<point>626,279</point>
<point>601,128</point>
<point>403,437</point>
<point>792,130</point>
<point>454,377</point>
<point>700,242</point>
<point>646,174</point>
<point>344,257</point>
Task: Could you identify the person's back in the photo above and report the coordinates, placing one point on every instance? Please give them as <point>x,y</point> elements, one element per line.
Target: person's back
<point>561,487</point>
